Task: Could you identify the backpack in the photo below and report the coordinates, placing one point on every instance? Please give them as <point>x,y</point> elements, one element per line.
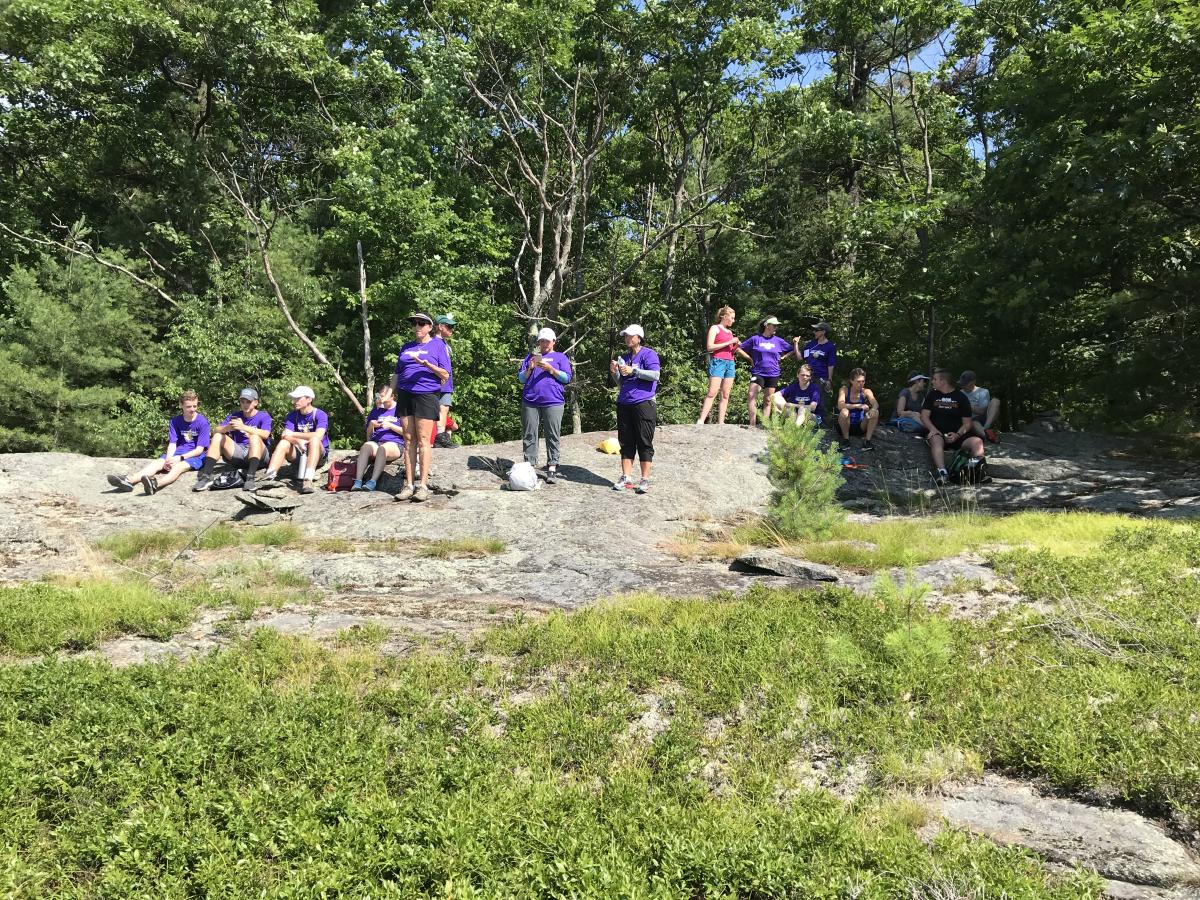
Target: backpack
<point>230,478</point>
<point>962,472</point>
<point>341,475</point>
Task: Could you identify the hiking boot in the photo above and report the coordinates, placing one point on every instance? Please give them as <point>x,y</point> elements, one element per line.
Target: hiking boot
<point>149,485</point>
<point>203,482</point>
<point>368,485</point>
<point>251,485</point>
<point>551,475</point>
<point>643,486</point>
<point>306,486</point>
<point>867,445</point>
<point>358,485</point>
<point>120,482</point>
<point>941,478</point>
<point>406,493</point>
<point>992,435</point>
<point>421,494</point>
<point>443,440</point>
<point>622,483</point>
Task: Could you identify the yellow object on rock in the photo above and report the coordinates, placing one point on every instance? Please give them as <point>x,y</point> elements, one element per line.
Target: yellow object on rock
<point>609,446</point>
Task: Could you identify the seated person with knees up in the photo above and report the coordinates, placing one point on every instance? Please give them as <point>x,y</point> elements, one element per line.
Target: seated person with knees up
<point>243,438</point>
<point>802,398</point>
<point>908,404</point>
<point>946,415</point>
<point>385,441</point>
<point>305,441</point>
<point>985,408</point>
<point>187,441</point>
<point>858,411</point>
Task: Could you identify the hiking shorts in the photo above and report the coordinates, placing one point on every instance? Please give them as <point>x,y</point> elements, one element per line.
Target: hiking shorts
<point>446,399</point>
<point>240,454</point>
<point>767,381</point>
<point>419,406</point>
<point>722,368</point>
<point>193,462</point>
<point>635,429</point>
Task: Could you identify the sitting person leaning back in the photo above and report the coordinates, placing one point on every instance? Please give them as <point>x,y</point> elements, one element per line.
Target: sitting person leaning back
<point>985,408</point>
<point>243,438</point>
<point>187,441</point>
<point>946,415</point>
<point>305,441</point>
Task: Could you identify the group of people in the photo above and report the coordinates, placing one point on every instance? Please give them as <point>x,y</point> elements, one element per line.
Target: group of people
<point>412,411</point>
<point>951,415</point>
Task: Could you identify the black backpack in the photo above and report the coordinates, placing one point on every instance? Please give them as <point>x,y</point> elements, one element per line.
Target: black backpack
<point>230,478</point>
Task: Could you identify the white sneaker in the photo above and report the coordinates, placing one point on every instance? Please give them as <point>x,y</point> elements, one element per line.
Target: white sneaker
<point>622,483</point>
<point>643,486</point>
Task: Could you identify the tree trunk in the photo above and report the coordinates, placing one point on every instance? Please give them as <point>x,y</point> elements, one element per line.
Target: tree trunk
<point>368,368</point>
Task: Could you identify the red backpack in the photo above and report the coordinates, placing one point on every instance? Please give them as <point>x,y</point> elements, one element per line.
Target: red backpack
<point>341,475</point>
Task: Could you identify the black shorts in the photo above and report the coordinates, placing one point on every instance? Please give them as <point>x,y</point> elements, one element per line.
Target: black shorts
<point>858,428</point>
<point>767,381</point>
<point>950,444</point>
<point>635,429</point>
<point>420,406</point>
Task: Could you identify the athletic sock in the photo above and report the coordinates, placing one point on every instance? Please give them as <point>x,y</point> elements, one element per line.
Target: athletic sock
<point>209,462</point>
<point>252,467</point>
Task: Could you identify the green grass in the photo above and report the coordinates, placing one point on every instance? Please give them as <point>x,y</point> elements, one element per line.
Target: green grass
<point>149,544</point>
<point>446,548</point>
<point>37,618</point>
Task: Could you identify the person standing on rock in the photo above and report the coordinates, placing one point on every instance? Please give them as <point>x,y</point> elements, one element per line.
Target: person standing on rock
<point>637,372</point>
<point>821,354</point>
<point>422,370</point>
<point>542,375</point>
<point>305,441</point>
<point>385,442</point>
<point>720,345</point>
<point>946,415</point>
<point>443,330</point>
<point>188,436</point>
<point>765,350</point>
<point>242,438</point>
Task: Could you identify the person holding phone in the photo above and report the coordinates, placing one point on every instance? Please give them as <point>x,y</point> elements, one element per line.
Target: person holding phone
<point>636,372</point>
<point>543,375</point>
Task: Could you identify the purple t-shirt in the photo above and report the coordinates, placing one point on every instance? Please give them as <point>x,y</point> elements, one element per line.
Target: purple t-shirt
<point>187,436</point>
<point>386,435</point>
<point>260,419</point>
<point>765,351</point>
<point>822,357</point>
<point>793,393</point>
<point>413,377</point>
<point>543,389</point>
<point>633,389</point>
<point>305,423</point>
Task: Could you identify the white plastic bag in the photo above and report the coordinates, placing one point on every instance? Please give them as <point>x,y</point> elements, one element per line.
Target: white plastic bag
<point>523,477</point>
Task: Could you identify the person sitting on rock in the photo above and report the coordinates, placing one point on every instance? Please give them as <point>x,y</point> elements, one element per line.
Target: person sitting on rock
<point>985,408</point>
<point>305,441</point>
<point>188,437</point>
<point>385,441</point>
<point>908,404</point>
<point>858,411</point>
<point>802,397</point>
<point>242,438</point>
<point>946,415</point>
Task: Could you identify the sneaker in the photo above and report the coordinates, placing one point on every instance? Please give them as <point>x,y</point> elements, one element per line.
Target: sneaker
<point>421,494</point>
<point>992,435</point>
<point>867,445</point>
<point>306,486</point>
<point>251,485</point>
<point>406,493</point>
<point>358,485</point>
<point>120,482</point>
<point>551,476</point>
<point>149,485</point>
<point>368,485</point>
<point>203,482</point>
<point>643,486</point>
<point>843,445</point>
<point>941,478</point>
<point>443,441</point>
<point>622,483</point>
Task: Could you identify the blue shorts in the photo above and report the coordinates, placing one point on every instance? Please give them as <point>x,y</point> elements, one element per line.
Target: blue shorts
<point>721,368</point>
<point>195,462</point>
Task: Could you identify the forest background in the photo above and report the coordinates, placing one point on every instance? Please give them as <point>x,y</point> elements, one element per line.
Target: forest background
<point>208,195</point>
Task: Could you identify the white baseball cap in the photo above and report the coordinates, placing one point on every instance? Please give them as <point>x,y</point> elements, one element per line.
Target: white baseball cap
<point>635,330</point>
<point>302,390</point>
<point>547,334</point>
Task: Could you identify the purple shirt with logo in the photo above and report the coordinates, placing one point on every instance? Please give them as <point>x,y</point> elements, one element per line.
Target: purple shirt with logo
<point>187,436</point>
<point>543,389</point>
<point>260,419</point>
<point>633,389</point>
<point>765,351</point>
<point>389,417</point>
<point>822,357</point>
<point>306,423</point>
<point>793,393</point>
<point>413,377</point>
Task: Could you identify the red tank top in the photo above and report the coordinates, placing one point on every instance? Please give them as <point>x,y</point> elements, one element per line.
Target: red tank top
<point>723,335</point>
